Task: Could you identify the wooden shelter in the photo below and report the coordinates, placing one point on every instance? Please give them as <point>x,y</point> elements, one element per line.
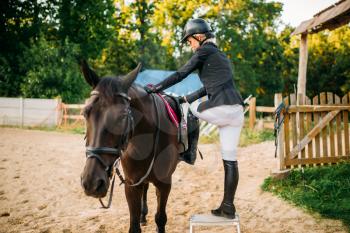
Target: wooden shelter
<point>330,18</point>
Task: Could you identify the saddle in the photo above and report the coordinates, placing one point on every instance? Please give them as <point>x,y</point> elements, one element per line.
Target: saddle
<point>175,113</point>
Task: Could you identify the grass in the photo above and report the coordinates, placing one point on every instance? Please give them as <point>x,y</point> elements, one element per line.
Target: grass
<point>248,137</point>
<point>325,190</point>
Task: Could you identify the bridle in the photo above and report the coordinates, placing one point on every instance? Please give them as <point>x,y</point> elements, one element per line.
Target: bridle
<point>95,152</point>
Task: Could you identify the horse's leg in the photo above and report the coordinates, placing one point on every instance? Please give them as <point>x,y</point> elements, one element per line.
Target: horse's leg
<point>163,190</point>
<point>133,196</point>
<point>144,207</point>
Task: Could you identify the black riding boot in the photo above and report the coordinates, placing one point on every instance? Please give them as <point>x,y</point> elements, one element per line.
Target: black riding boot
<point>190,155</point>
<point>227,208</point>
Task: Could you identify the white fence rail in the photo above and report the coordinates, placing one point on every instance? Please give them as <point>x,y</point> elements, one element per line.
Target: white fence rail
<point>30,112</point>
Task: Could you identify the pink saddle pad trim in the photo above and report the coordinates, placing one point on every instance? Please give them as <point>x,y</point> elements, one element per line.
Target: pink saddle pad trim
<point>172,115</point>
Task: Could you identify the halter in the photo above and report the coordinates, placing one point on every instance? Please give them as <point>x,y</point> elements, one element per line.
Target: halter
<point>95,152</point>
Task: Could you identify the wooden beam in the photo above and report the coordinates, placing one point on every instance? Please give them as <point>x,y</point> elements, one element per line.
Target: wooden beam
<point>74,106</point>
<point>326,159</point>
<point>317,108</point>
<point>302,66</point>
<point>265,109</point>
<point>316,130</point>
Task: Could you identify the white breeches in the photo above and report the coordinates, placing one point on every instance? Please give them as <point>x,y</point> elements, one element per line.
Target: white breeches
<point>229,119</point>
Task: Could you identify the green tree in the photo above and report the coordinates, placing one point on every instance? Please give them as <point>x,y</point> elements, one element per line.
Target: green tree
<point>247,34</point>
<point>328,63</point>
<point>53,72</point>
<point>135,40</point>
<point>20,23</point>
<point>88,23</point>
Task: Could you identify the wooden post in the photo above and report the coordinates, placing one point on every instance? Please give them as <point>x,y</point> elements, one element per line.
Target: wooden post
<point>280,137</point>
<point>302,67</point>
<point>21,111</point>
<point>59,112</point>
<point>252,112</point>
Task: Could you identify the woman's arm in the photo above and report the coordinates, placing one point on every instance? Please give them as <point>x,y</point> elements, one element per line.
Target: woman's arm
<point>195,95</point>
<point>194,63</point>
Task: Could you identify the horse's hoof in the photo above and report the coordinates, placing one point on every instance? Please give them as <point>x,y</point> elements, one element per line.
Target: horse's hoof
<point>143,223</point>
<point>161,230</point>
<point>143,220</point>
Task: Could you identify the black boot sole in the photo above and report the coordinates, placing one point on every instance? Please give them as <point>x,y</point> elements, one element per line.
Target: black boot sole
<point>220,213</point>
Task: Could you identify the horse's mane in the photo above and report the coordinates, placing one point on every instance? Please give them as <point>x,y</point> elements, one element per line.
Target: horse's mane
<point>108,87</point>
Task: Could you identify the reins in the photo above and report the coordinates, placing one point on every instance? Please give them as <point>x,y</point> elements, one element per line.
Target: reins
<point>279,119</point>
<point>94,152</point>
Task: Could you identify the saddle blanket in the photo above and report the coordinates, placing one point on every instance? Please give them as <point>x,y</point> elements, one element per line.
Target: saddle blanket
<point>171,113</point>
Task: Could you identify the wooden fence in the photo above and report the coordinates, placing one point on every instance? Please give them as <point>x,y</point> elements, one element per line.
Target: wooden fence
<point>315,131</point>
<point>71,114</point>
<point>253,110</point>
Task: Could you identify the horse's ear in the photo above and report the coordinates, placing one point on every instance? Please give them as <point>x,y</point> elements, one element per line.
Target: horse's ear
<point>130,77</point>
<point>90,76</point>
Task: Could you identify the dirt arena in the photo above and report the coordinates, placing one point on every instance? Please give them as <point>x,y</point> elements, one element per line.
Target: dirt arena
<point>40,191</point>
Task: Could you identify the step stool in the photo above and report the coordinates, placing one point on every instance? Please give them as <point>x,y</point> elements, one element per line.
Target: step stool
<point>211,220</point>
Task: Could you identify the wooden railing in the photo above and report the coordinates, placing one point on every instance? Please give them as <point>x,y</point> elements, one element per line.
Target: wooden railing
<point>253,110</point>
<point>68,115</point>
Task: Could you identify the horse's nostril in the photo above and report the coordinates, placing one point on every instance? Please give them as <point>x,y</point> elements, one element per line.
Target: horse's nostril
<point>100,185</point>
<point>85,185</point>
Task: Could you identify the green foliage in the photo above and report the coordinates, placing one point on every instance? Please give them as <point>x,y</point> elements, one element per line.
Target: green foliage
<point>28,28</point>
<point>325,190</point>
<point>116,35</point>
<point>247,33</point>
<point>53,72</point>
<point>87,23</point>
<point>329,60</point>
<point>20,22</point>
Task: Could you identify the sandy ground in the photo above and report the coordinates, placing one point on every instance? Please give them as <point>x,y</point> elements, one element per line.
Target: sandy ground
<point>40,191</point>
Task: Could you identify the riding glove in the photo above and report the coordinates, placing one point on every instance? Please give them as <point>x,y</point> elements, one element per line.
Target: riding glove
<point>152,88</point>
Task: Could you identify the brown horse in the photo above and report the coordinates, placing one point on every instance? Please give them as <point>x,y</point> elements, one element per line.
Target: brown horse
<point>126,123</point>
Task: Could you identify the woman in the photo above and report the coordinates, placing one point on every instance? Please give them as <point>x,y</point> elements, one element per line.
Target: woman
<point>224,106</point>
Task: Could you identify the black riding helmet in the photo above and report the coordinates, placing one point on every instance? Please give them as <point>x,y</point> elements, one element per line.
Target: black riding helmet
<point>196,26</point>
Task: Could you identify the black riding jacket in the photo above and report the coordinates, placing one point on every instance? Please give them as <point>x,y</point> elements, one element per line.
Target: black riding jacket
<point>215,72</point>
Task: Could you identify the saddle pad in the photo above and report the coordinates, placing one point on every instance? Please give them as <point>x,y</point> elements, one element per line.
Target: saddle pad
<point>171,113</point>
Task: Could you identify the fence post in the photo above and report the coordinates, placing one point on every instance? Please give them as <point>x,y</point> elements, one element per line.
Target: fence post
<point>59,112</point>
<point>21,111</point>
<point>280,137</point>
<point>252,112</point>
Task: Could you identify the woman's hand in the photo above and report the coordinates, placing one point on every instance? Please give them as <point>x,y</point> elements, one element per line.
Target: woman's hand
<point>150,89</point>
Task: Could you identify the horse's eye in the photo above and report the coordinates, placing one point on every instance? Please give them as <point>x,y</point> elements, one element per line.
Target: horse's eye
<point>86,111</point>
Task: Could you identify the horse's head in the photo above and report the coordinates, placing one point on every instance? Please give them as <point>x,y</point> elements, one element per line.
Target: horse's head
<point>109,126</point>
